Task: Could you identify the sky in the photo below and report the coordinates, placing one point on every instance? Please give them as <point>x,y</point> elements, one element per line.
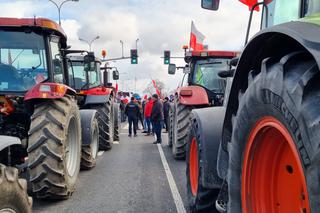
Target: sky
<point>158,24</point>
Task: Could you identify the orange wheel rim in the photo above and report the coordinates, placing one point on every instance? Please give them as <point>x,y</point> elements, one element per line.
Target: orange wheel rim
<point>272,175</point>
<point>194,167</point>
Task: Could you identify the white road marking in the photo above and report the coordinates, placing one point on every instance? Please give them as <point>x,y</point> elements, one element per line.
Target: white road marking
<point>100,153</point>
<point>116,142</point>
<point>174,190</point>
<point>126,126</point>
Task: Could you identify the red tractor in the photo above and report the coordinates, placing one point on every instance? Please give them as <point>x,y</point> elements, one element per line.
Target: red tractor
<point>95,92</point>
<point>38,109</point>
<point>261,150</point>
<point>201,87</point>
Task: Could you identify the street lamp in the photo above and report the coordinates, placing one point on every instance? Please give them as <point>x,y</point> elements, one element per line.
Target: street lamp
<point>89,42</point>
<point>137,43</point>
<point>122,48</point>
<point>59,7</point>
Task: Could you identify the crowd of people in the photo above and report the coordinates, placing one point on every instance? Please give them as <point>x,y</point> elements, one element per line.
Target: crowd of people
<point>152,113</point>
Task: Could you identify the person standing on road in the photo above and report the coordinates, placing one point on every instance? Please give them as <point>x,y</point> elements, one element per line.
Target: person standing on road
<point>132,111</point>
<point>166,107</point>
<point>157,117</point>
<point>147,115</point>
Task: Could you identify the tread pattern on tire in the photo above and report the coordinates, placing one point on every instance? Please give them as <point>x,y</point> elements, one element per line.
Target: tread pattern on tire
<point>182,123</point>
<point>13,191</point>
<point>105,124</point>
<point>171,120</point>
<point>46,148</point>
<point>87,160</point>
<point>116,133</point>
<point>205,199</point>
<point>290,87</point>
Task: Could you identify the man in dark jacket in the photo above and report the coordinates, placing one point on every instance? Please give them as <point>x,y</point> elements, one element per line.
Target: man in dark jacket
<point>157,117</point>
<point>166,107</point>
<point>132,111</point>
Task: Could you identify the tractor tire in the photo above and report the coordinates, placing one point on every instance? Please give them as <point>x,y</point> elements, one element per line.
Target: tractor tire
<point>90,152</point>
<point>171,117</point>
<point>116,122</point>
<point>180,130</point>
<point>13,192</point>
<point>201,199</point>
<point>54,149</point>
<point>274,150</point>
<point>105,122</point>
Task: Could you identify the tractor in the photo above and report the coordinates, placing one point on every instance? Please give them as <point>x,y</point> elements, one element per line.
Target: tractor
<point>201,87</point>
<point>262,147</point>
<point>98,95</point>
<point>41,127</point>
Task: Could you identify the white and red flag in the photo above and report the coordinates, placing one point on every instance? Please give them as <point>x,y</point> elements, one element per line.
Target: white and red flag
<point>196,38</point>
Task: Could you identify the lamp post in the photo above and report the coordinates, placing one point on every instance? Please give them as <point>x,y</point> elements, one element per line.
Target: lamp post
<point>89,42</point>
<point>60,6</point>
<point>122,48</point>
<point>137,40</point>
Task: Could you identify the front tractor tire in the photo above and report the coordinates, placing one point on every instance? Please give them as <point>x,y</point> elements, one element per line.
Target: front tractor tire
<point>54,149</point>
<point>201,199</point>
<point>13,192</point>
<point>181,124</point>
<point>274,151</point>
<point>106,124</point>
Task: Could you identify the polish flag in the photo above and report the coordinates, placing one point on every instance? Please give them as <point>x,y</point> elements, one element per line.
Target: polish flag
<point>196,38</point>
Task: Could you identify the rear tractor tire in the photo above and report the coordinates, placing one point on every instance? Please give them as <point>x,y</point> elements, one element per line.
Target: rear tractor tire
<point>274,151</point>
<point>54,149</point>
<point>13,192</point>
<point>181,124</point>
<point>90,152</point>
<point>171,118</point>
<point>201,199</point>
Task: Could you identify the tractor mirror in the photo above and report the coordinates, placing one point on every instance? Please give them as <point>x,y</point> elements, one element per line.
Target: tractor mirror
<point>105,78</point>
<point>234,61</point>
<point>226,73</point>
<point>115,75</point>
<point>210,4</point>
<point>186,69</point>
<point>172,69</point>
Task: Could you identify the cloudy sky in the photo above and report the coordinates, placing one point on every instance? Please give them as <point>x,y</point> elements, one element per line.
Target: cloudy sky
<point>159,25</point>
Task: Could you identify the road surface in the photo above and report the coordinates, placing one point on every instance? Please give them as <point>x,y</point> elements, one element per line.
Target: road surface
<point>132,177</point>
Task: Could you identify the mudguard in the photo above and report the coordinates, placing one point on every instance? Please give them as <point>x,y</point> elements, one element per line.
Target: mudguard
<point>193,95</point>
<point>272,42</point>
<point>96,99</point>
<point>87,117</point>
<point>210,121</point>
<point>6,141</point>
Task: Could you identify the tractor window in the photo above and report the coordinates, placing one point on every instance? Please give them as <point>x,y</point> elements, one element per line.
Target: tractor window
<point>80,76</point>
<point>311,7</point>
<point>56,62</point>
<point>281,11</point>
<point>206,74</point>
<point>23,60</point>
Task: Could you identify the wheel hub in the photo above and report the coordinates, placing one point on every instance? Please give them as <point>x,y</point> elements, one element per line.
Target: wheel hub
<point>194,167</point>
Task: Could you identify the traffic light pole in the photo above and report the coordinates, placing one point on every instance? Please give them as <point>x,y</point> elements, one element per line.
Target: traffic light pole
<point>115,59</point>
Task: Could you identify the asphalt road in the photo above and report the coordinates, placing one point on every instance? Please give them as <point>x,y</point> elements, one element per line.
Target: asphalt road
<point>129,178</point>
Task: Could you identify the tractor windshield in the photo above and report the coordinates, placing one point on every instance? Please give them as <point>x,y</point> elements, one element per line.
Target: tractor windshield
<point>206,74</point>
<point>281,11</point>
<point>23,60</point>
<point>84,79</point>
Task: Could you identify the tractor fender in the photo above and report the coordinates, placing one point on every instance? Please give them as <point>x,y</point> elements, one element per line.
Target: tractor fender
<point>96,99</point>
<point>87,117</point>
<point>192,95</point>
<point>6,141</point>
<point>275,41</point>
<point>210,121</point>
<point>48,90</point>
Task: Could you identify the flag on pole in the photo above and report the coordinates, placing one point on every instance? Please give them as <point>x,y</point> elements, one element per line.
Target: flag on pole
<point>117,87</point>
<point>156,87</point>
<point>196,38</point>
<point>251,3</point>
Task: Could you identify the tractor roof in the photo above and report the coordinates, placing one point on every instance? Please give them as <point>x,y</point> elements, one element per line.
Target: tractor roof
<point>81,58</point>
<point>44,23</point>
<point>198,55</point>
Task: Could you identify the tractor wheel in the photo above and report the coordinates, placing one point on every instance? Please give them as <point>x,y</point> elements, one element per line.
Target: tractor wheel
<point>180,131</point>
<point>54,149</point>
<point>105,122</point>
<point>90,152</point>
<point>274,152</point>
<point>201,199</point>
<point>116,122</point>
<point>13,192</point>
<point>170,133</point>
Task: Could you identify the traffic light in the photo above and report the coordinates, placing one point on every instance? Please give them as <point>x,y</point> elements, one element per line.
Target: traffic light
<point>134,56</point>
<point>166,57</point>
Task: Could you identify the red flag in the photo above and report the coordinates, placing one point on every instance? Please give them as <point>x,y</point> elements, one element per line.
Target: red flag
<point>196,38</point>
<point>251,3</point>
<point>156,87</point>
<point>117,87</point>
<point>154,83</point>
<point>145,97</point>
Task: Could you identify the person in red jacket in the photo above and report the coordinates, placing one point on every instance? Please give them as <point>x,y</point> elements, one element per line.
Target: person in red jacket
<point>147,114</point>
